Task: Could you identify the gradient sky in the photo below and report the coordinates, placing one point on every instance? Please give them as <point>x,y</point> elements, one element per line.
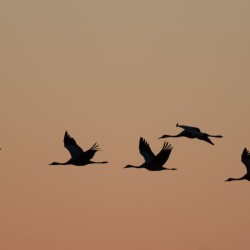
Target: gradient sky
<point>110,72</point>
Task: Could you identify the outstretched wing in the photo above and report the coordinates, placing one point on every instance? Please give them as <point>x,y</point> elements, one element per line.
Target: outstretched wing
<point>189,128</point>
<point>91,152</point>
<point>145,150</point>
<point>163,155</point>
<point>207,140</point>
<point>245,158</point>
<point>72,146</point>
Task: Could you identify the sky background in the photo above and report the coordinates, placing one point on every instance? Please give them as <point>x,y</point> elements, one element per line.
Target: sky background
<point>110,72</point>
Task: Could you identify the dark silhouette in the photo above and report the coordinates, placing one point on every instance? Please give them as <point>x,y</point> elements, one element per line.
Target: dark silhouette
<point>153,162</point>
<point>78,156</point>
<point>245,158</point>
<point>192,132</point>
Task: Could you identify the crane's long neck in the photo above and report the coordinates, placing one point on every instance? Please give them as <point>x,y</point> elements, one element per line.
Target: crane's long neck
<point>131,166</point>
<point>174,136</point>
<point>179,135</point>
<point>98,162</point>
<point>59,163</point>
<point>236,179</point>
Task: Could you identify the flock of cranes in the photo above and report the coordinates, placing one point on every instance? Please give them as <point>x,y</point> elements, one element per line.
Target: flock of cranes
<point>151,162</point>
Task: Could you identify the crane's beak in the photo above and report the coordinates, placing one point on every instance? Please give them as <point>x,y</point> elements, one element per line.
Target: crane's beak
<point>164,136</point>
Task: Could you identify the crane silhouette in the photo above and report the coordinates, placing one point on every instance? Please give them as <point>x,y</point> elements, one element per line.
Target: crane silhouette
<point>245,158</point>
<point>78,156</point>
<point>192,132</point>
<point>153,162</point>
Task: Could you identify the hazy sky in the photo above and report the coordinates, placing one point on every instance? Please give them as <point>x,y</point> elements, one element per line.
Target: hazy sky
<point>110,72</point>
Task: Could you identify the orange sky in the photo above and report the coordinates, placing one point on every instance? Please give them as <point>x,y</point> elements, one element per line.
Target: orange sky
<point>110,72</point>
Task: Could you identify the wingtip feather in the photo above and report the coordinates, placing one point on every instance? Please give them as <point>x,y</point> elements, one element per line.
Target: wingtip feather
<point>167,146</point>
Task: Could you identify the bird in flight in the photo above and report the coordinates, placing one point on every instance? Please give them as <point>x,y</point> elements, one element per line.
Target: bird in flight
<point>153,162</point>
<point>78,156</point>
<point>192,132</point>
<point>245,158</point>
